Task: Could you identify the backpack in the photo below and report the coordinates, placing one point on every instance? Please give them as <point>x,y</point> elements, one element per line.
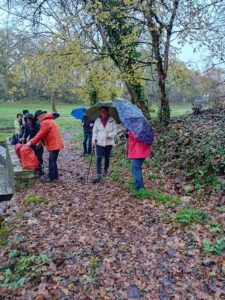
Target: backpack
<point>28,158</point>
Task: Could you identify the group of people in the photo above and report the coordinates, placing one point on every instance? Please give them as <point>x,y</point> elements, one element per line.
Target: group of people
<point>100,134</point>
<point>38,131</point>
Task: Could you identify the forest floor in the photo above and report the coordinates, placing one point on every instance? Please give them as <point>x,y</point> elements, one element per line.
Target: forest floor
<point>71,239</point>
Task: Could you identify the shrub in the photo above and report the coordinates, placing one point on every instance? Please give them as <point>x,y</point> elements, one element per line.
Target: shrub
<point>190,215</point>
<point>35,199</point>
<point>217,248</point>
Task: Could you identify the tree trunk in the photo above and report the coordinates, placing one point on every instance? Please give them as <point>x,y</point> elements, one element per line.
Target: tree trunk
<point>138,98</point>
<point>53,102</point>
<point>164,109</point>
<point>93,97</point>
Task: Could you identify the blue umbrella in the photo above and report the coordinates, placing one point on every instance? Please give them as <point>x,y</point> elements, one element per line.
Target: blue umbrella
<point>134,121</point>
<point>78,113</point>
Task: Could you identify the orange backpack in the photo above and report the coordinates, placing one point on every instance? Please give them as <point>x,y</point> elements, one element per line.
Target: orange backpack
<point>28,158</point>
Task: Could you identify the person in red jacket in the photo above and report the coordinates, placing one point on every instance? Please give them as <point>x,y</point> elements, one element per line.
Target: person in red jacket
<point>50,136</point>
<point>137,152</point>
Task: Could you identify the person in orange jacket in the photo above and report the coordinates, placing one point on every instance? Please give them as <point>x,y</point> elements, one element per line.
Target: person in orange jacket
<point>50,136</point>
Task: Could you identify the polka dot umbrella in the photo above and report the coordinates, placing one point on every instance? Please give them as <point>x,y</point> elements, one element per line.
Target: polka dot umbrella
<point>134,121</point>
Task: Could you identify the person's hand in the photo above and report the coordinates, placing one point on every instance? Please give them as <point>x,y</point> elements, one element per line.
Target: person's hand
<point>109,138</point>
<point>95,143</point>
<point>28,144</point>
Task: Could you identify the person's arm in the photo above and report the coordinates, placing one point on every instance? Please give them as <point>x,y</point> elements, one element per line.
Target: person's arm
<point>44,129</point>
<point>26,132</point>
<point>113,132</point>
<point>23,132</point>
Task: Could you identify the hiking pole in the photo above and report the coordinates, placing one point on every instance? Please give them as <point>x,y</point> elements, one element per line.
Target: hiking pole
<point>92,154</point>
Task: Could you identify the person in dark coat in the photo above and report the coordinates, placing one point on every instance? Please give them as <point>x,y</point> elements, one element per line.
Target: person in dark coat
<point>50,136</point>
<point>87,125</point>
<point>25,111</point>
<point>30,128</point>
<point>29,131</point>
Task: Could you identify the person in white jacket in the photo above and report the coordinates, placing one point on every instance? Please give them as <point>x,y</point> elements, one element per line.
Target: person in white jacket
<point>104,131</point>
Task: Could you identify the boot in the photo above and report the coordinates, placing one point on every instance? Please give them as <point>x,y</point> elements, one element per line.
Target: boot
<point>106,173</point>
<point>97,179</point>
<point>45,179</point>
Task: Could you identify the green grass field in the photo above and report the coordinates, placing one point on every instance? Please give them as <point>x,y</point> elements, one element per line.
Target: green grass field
<point>8,112</point>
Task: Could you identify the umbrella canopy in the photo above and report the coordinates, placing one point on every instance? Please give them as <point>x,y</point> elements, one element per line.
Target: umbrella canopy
<point>78,113</point>
<point>134,121</point>
<point>93,112</point>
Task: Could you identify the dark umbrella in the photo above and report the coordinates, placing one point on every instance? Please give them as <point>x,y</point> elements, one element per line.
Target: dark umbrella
<point>93,112</point>
<point>78,113</point>
<point>134,121</point>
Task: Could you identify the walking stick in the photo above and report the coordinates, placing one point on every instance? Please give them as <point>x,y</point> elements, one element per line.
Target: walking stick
<point>92,154</point>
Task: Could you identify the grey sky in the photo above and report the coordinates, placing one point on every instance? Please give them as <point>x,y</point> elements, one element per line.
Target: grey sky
<point>196,60</point>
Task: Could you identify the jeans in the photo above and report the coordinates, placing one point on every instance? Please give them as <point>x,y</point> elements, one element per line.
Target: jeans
<point>87,143</point>
<point>39,151</point>
<point>100,152</point>
<point>136,170</point>
<point>53,168</point>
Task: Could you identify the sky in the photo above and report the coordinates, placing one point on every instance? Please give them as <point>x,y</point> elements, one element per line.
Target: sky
<point>195,60</point>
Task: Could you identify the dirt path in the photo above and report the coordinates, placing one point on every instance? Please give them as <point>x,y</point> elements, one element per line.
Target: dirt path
<point>103,244</point>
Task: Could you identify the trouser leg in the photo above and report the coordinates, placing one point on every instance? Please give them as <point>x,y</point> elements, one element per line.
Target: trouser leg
<point>99,155</point>
<point>39,151</point>
<point>107,152</point>
<point>136,170</point>
<point>53,168</point>
<point>85,143</point>
<point>89,143</point>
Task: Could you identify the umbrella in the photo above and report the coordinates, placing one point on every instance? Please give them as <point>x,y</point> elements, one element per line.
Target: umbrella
<point>93,112</point>
<point>78,113</point>
<point>134,121</point>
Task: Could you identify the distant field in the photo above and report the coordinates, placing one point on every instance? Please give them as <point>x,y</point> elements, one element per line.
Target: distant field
<point>176,109</point>
<point>8,112</point>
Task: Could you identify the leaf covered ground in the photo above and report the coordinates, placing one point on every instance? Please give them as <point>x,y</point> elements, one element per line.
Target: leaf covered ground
<point>74,240</point>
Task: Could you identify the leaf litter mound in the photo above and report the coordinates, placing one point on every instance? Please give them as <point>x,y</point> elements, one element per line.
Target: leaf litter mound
<point>73,240</point>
